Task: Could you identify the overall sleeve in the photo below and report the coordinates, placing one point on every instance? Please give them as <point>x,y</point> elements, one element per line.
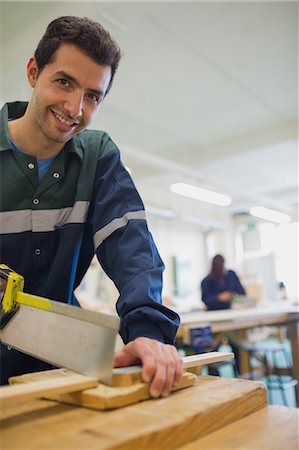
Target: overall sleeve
<point>127,253</point>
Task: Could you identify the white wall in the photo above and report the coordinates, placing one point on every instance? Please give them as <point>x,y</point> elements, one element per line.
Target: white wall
<point>186,243</point>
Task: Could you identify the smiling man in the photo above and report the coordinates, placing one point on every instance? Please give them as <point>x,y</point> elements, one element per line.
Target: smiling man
<point>67,93</point>
<point>66,196</point>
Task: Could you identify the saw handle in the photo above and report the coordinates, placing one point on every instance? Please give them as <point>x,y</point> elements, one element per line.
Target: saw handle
<point>11,283</point>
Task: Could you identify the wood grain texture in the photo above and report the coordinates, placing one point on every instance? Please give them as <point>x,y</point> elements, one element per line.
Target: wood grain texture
<point>271,428</point>
<point>44,387</point>
<point>100,397</point>
<point>206,358</point>
<point>132,375</point>
<point>167,423</point>
<point>127,385</point>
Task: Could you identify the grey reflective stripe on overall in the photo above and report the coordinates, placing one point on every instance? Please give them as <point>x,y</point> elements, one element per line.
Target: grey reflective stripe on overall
<point>115,224</point>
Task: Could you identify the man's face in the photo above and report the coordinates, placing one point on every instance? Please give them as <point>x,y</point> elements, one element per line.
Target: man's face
<point>67,93</point>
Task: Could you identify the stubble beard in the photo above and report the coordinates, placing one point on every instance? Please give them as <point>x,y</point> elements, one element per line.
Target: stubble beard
<point>43,121</point>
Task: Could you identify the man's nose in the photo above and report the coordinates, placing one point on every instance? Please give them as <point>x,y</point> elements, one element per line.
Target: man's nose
<point>74,104</point>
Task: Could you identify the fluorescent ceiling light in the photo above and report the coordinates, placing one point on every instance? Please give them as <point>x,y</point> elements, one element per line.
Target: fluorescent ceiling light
<point>270,214</point>
<point>204,195</point>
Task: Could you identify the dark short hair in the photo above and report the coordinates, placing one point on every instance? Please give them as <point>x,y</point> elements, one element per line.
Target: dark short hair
<point>91,37</point>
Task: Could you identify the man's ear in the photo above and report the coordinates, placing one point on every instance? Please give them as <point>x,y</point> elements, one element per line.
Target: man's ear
<point>32,71</point>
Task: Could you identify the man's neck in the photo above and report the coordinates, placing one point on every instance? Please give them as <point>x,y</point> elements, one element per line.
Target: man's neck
<point>30,141</point>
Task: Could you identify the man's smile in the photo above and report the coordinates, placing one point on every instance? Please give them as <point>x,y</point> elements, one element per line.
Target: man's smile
<point>63,120</point>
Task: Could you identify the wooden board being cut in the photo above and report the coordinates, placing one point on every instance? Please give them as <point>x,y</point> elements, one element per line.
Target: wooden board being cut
<point>24,391</point>
<point>127,385</point>
<point>100,397</point>
<point>166,423</point>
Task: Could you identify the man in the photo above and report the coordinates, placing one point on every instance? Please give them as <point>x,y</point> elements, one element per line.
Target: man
<point>65,195</point>
<point>219,287</point>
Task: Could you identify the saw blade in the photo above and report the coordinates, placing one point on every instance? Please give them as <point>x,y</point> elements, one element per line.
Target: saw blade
<point>66,336</point>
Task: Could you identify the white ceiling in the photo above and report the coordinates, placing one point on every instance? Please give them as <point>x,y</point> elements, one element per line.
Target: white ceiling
<point>207,92</point>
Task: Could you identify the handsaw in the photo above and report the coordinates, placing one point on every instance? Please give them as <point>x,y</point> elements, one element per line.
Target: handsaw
<point>57,333</point>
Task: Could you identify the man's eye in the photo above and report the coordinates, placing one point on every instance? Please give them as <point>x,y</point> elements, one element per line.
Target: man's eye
<point>63,82</point>
<point>93,98</point>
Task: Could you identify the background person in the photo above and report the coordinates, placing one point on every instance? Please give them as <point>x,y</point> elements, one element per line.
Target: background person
<point>219,287</point>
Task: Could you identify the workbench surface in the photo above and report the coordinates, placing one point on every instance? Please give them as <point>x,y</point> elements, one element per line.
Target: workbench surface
<point>270,428</point>
<point>168,423</point>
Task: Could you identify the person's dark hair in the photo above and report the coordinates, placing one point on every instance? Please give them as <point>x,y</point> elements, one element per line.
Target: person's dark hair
<point>91,37</point>
<point>218,259</point>
<point>217,270</point>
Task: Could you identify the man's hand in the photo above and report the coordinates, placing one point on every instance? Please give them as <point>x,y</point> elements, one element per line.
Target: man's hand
<point>225,297</point>
<point>162,366</point>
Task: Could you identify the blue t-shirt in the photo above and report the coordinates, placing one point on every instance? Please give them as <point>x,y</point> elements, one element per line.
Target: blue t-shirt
<point>43,165</point>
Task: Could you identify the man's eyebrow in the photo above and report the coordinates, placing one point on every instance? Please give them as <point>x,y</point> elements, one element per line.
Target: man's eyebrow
<point>69,77</point>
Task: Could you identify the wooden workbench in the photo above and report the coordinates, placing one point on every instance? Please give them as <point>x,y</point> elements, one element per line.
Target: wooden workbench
<point>166,423</point>
<point>240,320</point>
<point>271,428</point>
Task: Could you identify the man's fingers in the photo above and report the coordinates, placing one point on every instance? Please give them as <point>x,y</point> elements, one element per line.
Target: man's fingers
<point>149,366</point>
<point>125,358</point>
<point>158,384</point>
<point>179,368</point>
<point>170,374</point>
<point>162,365</point>
<point>174,369</point>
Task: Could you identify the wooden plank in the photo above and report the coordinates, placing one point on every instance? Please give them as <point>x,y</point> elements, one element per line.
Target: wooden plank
<point>127,376</point>
<point>206,358</point>
<point>43,388</point>
<point>100,397</point>
<point>271,428</point>
<point>105,398</point>
<point>53,384</point>
<point>167,423</point>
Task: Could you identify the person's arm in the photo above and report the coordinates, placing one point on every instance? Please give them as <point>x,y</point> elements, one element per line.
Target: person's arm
<point>128,255</point>
<point>212,300</point>
<point>237,286</point>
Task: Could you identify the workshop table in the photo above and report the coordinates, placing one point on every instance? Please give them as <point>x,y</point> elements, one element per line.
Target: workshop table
<point>271,428</point>
<point>166,423</point>
<point>241,320</point>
